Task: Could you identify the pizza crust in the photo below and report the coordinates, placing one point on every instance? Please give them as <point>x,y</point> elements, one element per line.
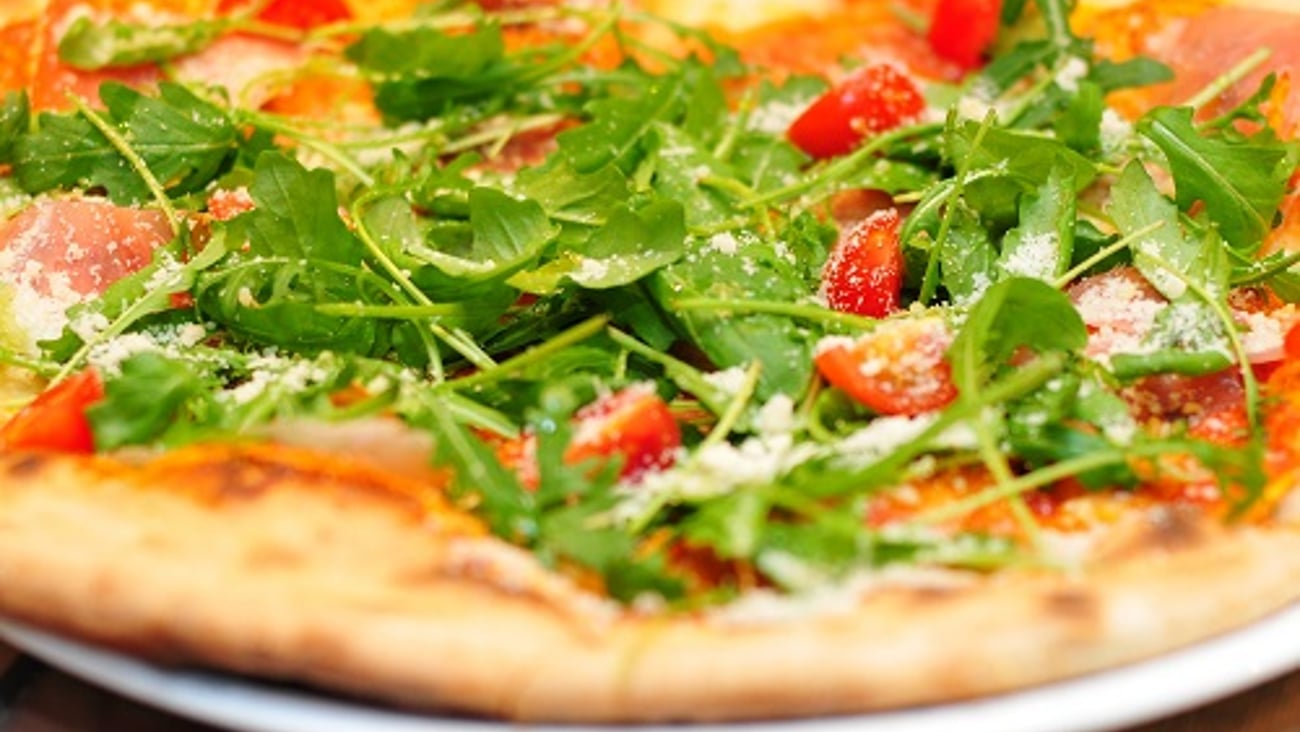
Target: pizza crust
<point>255,560</point>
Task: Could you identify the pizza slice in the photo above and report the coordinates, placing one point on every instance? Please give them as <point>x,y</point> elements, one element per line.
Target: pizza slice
<point>562,363</point>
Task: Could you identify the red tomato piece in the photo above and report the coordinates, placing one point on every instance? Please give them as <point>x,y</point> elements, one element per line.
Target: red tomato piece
<point>56,420</point>
<point>1292,343</point>
<point>873,100</point>
<point>633,423</point>
<point>899,368</point>
<point>962,30</point>
<point>294,13</point>
<point>864,273</point>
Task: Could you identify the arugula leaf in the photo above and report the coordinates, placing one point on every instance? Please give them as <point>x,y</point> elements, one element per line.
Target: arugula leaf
<point>1110,76</point>
<point>1015,313</point>
<point>706,113</point>
<point>575,200</point>
<point>1286,285</point>
<point>143,401</point>
<point>740,267</point>
<point>1135,204</point>
<point>15,116</point>
<point>1006,165</point>
<point>631,245</point>
<point>417,73</point>
<point>300,254</point>
<point>679,163</point>
<point>185,141</point>
<point>804,556</point>
<point>967,258</point>
<point>506,235</point>
<point>618,125</point>
<point>1240,182</point>
<point>1022,156</point>
<point>88,45</point>
<point>733,525</point>
<point>297,213</point>
<point>1079,124</point>
<point>508,509</point>
<point>1042,246</point>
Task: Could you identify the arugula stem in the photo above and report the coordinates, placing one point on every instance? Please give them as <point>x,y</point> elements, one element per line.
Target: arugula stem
<point>685,375</point>
<point>431,130</point>
<point>1101,254</point>
<point>731,135</point>
<point>1025,379</point>
<point>815,313</point>
<point>573,52</point>
<point>1255,275</point>
<point>1249,382</point>
<point>534,355</point>
<point>1033,94</point>
<point>736,188</point>
<point>1056,17</point>
<point>462,343</point>
<point>152,301</point>
<point>1027,482</point>
<point>997,465</point>
<point>138,164</point>
<point>358,310</point>
<point>499,136</point>
<point>727,421</point>
<point>26,363</point>
<point>1221,83</point>
<point>930,281</point>
<point>473,413</point>
<point>327,149</point>
<point>843,166</point>
<point>913,20</point>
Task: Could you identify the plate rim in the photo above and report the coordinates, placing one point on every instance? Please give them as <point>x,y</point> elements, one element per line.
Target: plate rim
<point>1137,692</point>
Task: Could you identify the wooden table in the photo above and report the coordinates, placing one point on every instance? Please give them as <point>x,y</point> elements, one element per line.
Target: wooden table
<point>37,698</point>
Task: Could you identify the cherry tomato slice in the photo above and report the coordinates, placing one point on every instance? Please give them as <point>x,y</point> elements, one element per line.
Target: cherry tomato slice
<point>864,273</point>
<point>633,423</point>
<point>1291,345</point>
<point>962,30</point>
<point>873,100</point>
<point>897,369</point>
<point>295,13</point>
<point>56,420</point>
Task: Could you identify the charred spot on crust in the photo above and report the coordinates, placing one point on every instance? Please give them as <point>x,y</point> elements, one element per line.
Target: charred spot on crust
<point>26,466</point>
<point>932,593</point>
<point>1071,603</point>
<point>247,479</point>
<point>1174,528</point>
<point>1162,530</point>
<point>232,477</point>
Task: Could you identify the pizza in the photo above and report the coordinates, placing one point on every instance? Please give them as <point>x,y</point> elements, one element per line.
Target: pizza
<point>656,361</point>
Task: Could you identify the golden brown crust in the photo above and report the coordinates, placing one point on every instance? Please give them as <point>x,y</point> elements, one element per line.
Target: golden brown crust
<point>325,575</point>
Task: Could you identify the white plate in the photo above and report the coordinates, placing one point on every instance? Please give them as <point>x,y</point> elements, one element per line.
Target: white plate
<point>1120,697</point>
